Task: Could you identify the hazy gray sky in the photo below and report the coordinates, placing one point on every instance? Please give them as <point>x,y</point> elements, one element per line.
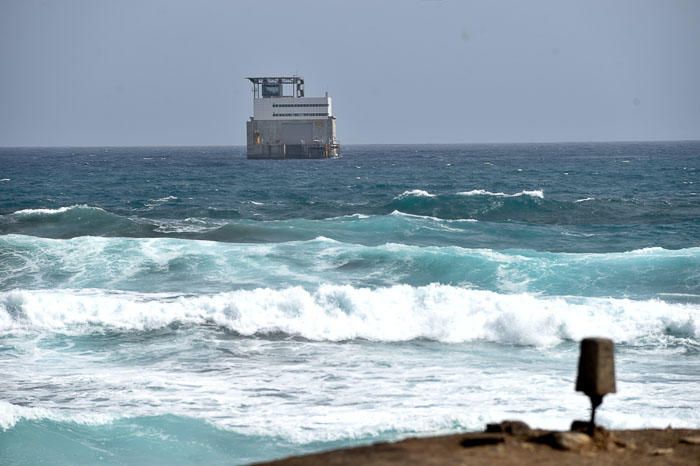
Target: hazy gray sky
<point>149,72</point>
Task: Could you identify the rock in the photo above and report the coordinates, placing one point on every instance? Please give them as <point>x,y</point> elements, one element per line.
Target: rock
<point>662,451</point>
<point>622,444</point>
<point>526,446</point>
<point>509,427</point>
<point>579,426</point>
<point>691,440</point>
<point>571,440</point>
<point>584,427</point>
<point>481,440</point>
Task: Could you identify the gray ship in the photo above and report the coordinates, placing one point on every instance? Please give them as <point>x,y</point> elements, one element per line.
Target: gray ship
<point>287,125</point>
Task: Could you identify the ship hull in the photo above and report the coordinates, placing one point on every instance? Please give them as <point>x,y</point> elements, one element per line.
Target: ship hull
<point>293,151</point>
<point>289,139</point>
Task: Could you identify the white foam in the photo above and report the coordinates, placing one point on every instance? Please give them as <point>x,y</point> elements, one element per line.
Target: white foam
<point>414,193</point>
<point>160,201</point>
<point>308,391</point>
<point>11,414</point>
<point>585,199</point>
<point>537,193</point>
<point>356,216</point>
<point>341,312</point>
<point>642,421</point>
<point>660,250</point>
<point>398,213</point>
<point>4,179</point>
<point>319,239</point>
<point>58,210</point>
<point>188,225</point>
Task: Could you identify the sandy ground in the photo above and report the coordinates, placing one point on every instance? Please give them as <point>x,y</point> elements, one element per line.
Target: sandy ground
<point>515,444</point>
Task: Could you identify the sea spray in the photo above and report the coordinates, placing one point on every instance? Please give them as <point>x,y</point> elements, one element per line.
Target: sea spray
<point>336,313</point>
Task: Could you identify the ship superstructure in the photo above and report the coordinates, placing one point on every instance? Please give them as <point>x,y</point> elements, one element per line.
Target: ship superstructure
<point>286,124</point>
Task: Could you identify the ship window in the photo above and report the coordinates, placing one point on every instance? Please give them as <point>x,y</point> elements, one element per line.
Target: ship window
<point>298,114</point>
<point>298,105</point>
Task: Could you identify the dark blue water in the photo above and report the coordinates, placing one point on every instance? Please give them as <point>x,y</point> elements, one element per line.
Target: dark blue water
<point>264,308</point>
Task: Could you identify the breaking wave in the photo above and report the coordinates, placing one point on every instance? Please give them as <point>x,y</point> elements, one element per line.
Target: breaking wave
<point>169,264</point>
<point>71,221</point>
<point>250,221</point>
<point>59,210</point>
<point>478,204</point>
<point>414,193</point>
<point>341,312</point>
<point>10,414</point>
<point>538,193</point>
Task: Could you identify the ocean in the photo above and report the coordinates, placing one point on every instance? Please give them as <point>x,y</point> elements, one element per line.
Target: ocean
<point>184,305</point>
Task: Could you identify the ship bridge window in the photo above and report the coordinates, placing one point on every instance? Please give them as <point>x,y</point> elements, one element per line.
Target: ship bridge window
<point>298,114</point>
<point>298,105</point>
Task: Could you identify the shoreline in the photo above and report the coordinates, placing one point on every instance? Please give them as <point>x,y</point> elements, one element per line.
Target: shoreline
<point>514,443</point>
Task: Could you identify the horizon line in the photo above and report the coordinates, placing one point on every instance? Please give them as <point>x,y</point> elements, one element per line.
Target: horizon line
<point>620,141</point>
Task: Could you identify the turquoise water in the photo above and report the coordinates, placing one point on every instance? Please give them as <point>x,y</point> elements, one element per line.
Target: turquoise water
<point>187,306</point>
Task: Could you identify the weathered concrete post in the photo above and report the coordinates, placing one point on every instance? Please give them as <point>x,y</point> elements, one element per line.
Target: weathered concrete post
<point>596,372</point>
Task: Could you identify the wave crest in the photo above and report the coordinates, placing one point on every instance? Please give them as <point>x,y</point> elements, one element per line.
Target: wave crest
<point>58,210</point>
<point>340,312</point>
<point>414,193</point>
<point>182,265</point>
<point>11,414</point>
<point>537,193</point>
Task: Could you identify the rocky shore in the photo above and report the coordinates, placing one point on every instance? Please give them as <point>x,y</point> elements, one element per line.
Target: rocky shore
<point>514,443</point>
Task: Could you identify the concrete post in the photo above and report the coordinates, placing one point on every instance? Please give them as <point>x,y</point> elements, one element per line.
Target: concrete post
<point>596,372</point>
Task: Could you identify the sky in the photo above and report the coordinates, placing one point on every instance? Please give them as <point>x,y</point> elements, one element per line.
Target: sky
<point>171,72</point>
